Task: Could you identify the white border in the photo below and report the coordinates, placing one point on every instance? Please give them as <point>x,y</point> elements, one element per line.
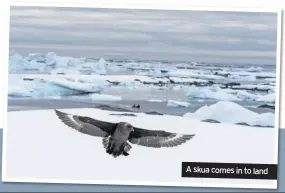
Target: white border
<point>159,6</point>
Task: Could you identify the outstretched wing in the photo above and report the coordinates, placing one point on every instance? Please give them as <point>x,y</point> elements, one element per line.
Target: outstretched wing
<point>86,125</point>
<point>157,139</point>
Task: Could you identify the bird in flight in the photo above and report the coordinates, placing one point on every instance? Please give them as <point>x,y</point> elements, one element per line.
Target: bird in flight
<point>118,136</point>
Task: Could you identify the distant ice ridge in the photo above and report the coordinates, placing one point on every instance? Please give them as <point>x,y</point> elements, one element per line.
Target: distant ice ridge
<point>232,113</point>
<point>255,69</point>
<point>54,64</point>
<point>19,64</point>
<point>173,103</point>
<point>47,86</point>
<point>97,67</point>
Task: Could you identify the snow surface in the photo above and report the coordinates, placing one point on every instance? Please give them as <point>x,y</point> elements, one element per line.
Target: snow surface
<point>230,112</point>
<point>173,103</point>
<point>41,151</point>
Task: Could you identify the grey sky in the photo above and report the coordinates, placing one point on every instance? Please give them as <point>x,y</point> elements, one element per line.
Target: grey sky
<point>226,37</point>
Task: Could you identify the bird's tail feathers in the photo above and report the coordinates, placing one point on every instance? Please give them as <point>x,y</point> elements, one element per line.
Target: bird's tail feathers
<point>106,142</point>
<point>112,150</point>
<point>127,147</point>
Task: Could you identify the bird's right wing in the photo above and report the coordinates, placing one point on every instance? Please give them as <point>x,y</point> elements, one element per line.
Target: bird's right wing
<point>87,125</point>
<point>157,139</point>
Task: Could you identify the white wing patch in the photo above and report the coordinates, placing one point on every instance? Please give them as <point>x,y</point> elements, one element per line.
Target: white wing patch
<point>158,142</point>
<point>70,120</point>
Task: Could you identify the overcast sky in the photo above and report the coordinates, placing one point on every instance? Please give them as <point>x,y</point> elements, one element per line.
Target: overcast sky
<point>226,37</point>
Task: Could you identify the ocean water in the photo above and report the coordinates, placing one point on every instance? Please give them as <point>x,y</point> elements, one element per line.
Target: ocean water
<point>40,81</point>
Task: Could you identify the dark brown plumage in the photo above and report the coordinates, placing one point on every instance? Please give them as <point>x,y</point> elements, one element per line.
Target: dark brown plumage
<point>117,135</point>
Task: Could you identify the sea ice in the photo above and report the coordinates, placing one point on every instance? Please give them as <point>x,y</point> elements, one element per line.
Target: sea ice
<point>173,103</point>
<point>105,97</point>
<point>210,93</point>
<point>267,98</point>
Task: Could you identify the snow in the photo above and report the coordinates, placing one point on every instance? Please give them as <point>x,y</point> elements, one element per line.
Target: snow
<point>230,112</point>
<point>105,97</point>
<point>210,93</point>
<point>173,103</point>
<point>42,151</point>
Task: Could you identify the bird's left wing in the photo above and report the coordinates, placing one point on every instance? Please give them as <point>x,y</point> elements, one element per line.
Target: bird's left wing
<point>87,125</point>
<point>157,138</point>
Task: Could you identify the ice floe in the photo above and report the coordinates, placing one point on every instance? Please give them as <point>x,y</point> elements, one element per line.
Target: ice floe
<point>174,103</point>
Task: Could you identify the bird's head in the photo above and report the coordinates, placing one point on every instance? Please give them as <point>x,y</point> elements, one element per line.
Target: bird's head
<point>125,127</point>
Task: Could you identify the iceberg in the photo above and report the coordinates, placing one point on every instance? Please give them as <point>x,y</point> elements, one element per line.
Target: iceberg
<point>38,57</point>
<point>77,85</point>
<point>51,59</point>
<point>98,67</point>
<point>61,61</point>
<point>232,113</point>
<point>255,69</point>
<point>18,64</point>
